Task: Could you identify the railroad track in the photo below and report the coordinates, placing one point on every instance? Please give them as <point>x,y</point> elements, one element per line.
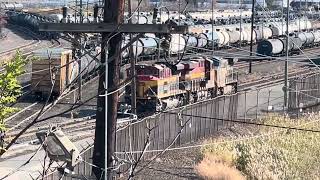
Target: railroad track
<point>26,115</point>
<point>24,47</point>
<point>275,78</point>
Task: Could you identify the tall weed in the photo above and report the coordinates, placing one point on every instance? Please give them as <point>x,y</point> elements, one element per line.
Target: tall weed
<point>276,154</point>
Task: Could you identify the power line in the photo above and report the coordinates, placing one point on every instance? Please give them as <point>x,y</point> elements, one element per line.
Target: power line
<point>217,143</point>
<point>243,122</point>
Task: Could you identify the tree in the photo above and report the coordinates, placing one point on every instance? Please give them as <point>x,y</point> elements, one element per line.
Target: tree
<point>10,89</point>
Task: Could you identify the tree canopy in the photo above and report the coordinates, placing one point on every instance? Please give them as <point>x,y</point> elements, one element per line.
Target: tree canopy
<point>10,88</point>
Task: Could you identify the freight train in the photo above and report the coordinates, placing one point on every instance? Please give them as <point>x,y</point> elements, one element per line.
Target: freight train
<point>161,87</point>
<point>11,6</point>
<point>199,36</point>
<point>32,21</point>
<point>202,37</point>
<point>297,42</point>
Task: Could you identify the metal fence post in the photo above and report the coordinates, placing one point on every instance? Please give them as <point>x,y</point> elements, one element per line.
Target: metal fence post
<point>245,105</point>
<point>257,107</point>
<point>268,100</point>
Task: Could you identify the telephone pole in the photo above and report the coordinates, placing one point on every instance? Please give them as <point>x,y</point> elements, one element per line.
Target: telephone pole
<point>285,88</point>
<point>251,40</point>
<point>106,121</point>
<point>111,29</point>
<point>133,66</point>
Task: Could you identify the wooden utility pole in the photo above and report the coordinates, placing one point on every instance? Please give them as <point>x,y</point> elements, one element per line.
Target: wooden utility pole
<point>285,88</point>
<point>107,104</point>
<point>105,133</point>
<point>251,40</point>
<point>133,66</point>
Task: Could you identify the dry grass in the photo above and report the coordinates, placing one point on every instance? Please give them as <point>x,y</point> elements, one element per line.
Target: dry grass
<point>217,168</point>
<point>280,154</point>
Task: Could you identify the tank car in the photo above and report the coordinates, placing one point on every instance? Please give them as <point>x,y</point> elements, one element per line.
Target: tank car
<point>202,40</point>
<point>270,47</point>
<point>234,36</point>
<point>266,32</point>
<point>297,44</point>
<point>31,21</point>
<point>11,6</point>
<point>212,39</point>
<point>177,44</point>
<point>316,34</point>
<point>191,41</point>
<point>309,39</point>
<point>141,19</point>
<point>258,35</point>
<point>224,37</point>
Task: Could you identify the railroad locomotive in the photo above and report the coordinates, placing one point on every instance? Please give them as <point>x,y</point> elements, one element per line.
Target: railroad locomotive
<point>161,86</point>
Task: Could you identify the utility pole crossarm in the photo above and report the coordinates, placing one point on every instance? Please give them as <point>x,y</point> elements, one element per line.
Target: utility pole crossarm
<point>109,27</point>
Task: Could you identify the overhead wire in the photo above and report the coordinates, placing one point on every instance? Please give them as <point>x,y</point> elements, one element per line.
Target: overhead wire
<point>287,35</point>
<point>221,142</point>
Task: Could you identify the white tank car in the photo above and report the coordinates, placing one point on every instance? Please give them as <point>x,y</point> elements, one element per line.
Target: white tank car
<point>226,37</point>
<point>140,19</point>
<point>177,44</point>
<point>202,40</point>
<point>297,43</point>
<point>149,44</point>
<point>244,35</point>
<point>293,27</point>
<point>234,36</point>
<point>266,32</point>
<point>137,47</point>
<point>254,35</point>
<point>270,47</point>
<point>310,38</point>
<point>191,41</point>
<point>212,38</point>
<point>303,24</point>
<point>302,37</point>
<point>221,38</point>
<point>316,34</point>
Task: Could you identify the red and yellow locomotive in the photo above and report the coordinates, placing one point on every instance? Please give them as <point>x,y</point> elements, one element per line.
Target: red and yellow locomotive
<point>161,87</point>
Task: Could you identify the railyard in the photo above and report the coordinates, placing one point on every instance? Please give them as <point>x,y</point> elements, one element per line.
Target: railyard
<point>189,86</point>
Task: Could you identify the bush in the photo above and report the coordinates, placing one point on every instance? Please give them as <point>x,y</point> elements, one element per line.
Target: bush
<point>216,168</point>
<point>10,88</point>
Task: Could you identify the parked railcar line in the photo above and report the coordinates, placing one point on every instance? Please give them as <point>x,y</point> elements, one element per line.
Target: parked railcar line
<point>34,42</point>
